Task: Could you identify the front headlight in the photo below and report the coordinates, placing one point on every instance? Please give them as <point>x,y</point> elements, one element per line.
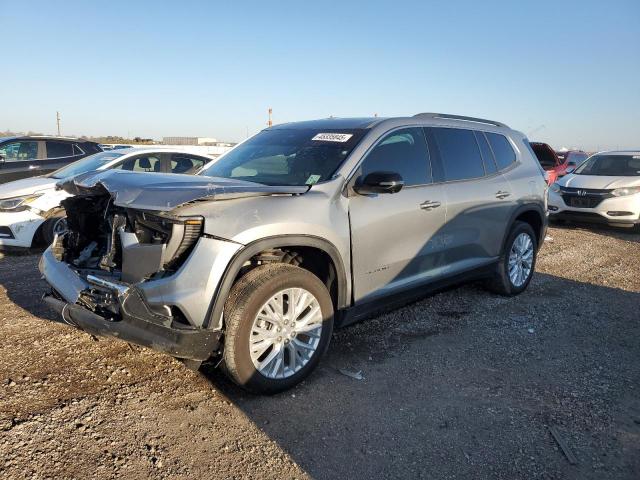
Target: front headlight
<point>623,192</point>
<point>17,204</point>
<point>555,188</point>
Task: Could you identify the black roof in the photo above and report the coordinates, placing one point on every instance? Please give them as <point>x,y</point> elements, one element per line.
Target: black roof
<point>331,123</point>
<point>47,137</point>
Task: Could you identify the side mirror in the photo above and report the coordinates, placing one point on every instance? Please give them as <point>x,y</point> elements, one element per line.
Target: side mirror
<point>379,182</point>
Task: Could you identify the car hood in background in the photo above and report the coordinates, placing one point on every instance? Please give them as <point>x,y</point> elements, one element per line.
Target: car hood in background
<point>166,191</point>
<point>597,181</point>
<point>26,186</point>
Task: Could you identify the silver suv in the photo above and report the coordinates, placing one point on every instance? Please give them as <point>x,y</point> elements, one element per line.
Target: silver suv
<point>303,227</point>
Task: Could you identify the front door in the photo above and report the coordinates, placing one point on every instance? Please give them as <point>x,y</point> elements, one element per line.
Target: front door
<point>20,159</point>
<point>396,237</point>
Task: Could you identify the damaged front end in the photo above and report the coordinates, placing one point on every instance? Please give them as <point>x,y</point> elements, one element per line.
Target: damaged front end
<point>117,271</point>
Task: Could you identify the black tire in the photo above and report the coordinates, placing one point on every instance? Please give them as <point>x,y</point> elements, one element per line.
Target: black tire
<point>247,296</point>
<point>49,226</point>
<point>500,283</point>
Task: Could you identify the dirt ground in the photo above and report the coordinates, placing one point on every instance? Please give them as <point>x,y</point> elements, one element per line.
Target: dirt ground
<point>464,384</point>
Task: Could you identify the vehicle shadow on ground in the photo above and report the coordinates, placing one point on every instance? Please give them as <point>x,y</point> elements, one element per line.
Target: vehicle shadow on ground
<point>621,233</point>
<point>465,384</point>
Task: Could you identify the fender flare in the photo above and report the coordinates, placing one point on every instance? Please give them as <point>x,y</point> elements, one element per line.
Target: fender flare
<point>529,207</point>
<point>214,318</point>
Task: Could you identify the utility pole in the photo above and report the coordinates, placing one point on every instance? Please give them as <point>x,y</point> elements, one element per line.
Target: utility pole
<point>270,122</point>
<point>58,121</point>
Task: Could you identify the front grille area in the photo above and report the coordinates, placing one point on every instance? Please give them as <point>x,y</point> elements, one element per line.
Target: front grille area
<point>583,197</point>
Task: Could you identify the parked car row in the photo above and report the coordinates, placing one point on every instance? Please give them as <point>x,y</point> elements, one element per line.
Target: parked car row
<point>303,228</point>
<point>30,209</point>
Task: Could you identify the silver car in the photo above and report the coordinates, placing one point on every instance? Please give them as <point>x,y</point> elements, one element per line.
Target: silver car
<point>302,228</point>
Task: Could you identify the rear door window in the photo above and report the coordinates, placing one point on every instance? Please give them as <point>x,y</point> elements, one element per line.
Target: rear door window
<point>59,149</point>
<point>141,163</point>
<point>404,152</point>
<point>181,163</point>
<point>502,150</point>
<point>460,157</point>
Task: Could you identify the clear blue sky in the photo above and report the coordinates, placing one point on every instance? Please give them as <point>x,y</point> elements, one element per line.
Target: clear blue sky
<point>567,71</point>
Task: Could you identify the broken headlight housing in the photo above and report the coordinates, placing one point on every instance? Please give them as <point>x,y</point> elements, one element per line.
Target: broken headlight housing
<point>180,234</point>
<point>17,204</point>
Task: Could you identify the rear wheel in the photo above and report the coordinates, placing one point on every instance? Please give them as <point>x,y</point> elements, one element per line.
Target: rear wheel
<point>517,262</point>
<point>278,323</point>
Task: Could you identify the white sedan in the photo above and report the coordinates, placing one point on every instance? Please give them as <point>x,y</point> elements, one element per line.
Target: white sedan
<point>605,188</point>
<point>30,210</point>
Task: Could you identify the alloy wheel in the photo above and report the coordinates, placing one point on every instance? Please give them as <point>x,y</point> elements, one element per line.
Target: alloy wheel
<point>520,259</point>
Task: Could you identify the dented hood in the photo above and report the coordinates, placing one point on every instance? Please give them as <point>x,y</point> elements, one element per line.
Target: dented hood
<point>165,191</point>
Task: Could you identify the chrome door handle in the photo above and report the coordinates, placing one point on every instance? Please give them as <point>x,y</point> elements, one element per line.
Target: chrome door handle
<point>34,167</point>
<point>428,205</point>
<point>500,194</point>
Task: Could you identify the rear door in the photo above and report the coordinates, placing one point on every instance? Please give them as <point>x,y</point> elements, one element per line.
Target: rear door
<point>478,197</point>
<point>20,159</point>
<point>396,238</point>
<point>58,154</point>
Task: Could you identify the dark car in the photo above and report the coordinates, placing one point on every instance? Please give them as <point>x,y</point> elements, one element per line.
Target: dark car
<point>28,156</point>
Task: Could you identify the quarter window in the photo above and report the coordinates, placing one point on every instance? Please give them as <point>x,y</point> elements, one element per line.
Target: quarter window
<point>19,151</point>
<point>459,153</point>
<point>487,155</point>
<point>403,152</point>
<point>502,150</point>
<point>59,149</point>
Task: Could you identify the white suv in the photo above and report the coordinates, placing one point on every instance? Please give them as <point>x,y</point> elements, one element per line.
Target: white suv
<point>605,188</point>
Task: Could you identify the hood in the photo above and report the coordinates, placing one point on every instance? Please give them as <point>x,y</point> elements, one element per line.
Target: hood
<point>26,186</point>
<point>597,181</point>
<point>166,191</point>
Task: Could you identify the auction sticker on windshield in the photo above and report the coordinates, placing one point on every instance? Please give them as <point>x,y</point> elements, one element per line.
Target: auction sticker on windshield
<point>332,137</point>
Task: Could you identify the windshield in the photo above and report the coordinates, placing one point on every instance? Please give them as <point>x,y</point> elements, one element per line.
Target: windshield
<point>611,166</point>
<point>287,157</point>
<point>87,164</point>
<point>576,158</point>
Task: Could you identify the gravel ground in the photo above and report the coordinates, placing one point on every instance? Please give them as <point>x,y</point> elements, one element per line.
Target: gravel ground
<point>463,384</point>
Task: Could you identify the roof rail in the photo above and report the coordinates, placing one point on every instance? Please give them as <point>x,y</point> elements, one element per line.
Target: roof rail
<point>459,117</point>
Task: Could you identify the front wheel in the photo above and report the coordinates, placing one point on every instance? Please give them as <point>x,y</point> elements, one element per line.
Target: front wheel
<point>517,263</point>
<point>278,323</point>
<point>55,225</point>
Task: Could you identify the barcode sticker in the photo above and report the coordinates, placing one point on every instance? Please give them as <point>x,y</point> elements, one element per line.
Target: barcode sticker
<point>332,137</point>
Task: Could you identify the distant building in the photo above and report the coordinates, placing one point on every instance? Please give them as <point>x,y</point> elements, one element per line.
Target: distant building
<point>209,146</point>
<point>191,141</point>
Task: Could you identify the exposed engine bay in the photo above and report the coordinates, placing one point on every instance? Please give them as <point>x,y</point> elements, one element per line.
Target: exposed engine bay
<point>130,245</point>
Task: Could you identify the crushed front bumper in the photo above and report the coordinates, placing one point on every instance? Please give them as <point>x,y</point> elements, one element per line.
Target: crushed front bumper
<point>190,344</point>
<point>141,312</point>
